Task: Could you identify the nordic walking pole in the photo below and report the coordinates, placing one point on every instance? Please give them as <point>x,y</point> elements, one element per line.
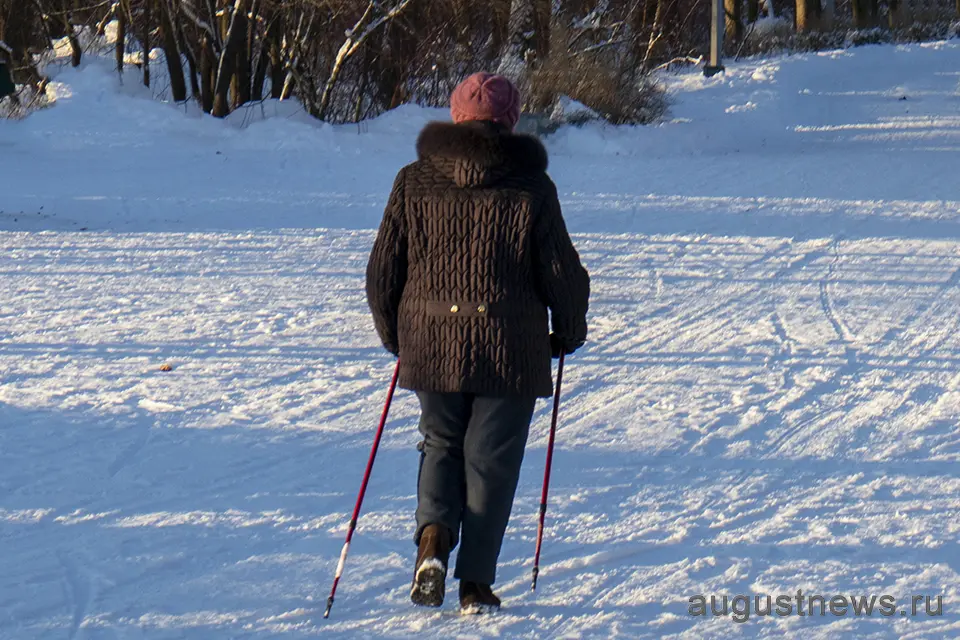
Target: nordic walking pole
<point>363,490</point>
<point>546,473</point>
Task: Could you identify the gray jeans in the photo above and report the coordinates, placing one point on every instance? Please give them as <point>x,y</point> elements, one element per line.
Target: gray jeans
<point>470,461</point>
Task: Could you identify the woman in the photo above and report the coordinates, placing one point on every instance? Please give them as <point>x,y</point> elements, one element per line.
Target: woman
<point>471,253</point>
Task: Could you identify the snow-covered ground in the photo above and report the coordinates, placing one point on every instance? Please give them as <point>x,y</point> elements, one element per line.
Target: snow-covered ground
<point>769,400</point>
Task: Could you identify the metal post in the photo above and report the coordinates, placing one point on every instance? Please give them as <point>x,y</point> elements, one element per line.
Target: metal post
<point>717,24</point>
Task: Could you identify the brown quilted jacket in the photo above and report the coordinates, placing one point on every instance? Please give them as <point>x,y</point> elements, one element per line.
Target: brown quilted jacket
<point>471,253</point>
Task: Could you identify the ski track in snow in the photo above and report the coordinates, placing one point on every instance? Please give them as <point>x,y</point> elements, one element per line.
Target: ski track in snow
<point>768,401</point>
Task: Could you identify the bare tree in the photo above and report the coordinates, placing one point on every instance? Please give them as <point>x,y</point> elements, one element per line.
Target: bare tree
<point>520,45</point>
<point>226,66</point>
<point>269,57</point>
<point>375,17</point>
<point>22,29</point>
<point>243,76</point>
<point>207,72</point>
<point>807,15</point>
<point>275,53</point>
<point>734,22</point>
<point>171,51</point>
<point>860,13</point>
<point>657,34</point>
<point>123,11</point>
<point>146,18</point>
<point>828,14</point>
<point>67,20</point>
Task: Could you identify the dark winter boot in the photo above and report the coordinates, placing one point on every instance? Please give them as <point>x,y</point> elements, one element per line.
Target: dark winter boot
<point>429,577</point>
<point>477,598</point>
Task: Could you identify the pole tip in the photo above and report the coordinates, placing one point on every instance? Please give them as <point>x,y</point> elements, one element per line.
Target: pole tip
<point>536,572</point>
<point>326,614</point>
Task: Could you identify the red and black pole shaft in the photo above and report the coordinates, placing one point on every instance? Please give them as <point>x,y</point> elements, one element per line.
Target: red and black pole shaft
<point>363,490</point>
<point>546,473</point>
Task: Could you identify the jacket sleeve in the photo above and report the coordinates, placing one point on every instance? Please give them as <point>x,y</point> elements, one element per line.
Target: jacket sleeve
<point>563,283</point>
<point>387,268</point>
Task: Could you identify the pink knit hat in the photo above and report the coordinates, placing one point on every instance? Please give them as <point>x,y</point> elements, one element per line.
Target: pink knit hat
<point>485,96</point>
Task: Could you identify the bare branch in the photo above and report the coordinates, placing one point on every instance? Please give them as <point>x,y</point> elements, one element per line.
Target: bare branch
<point>201,24</point>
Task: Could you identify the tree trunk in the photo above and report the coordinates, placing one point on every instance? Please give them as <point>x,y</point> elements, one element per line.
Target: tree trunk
<point>7,87</point>
<point>102,25</point>
<point>649,12</point>
<point>289,84</point>
<point>206,73</point>
<point>194,81</point>
<point>192,66</point>
<point>171,51</point>
<point>76,51</point>
<point>808,15</point>
<point>521,42</point>
<point>259,76</point>
<point>828,14</point>
<point>62,28</point>
<point>273,50</point>
<point>121,34</point>
<point>18,30</point>
<point>362,89</point>
<point>243,79</point>
<point>734,22</point>
<point>893,14</point>
<point>859,13</point>
<point>542,13</point>
<point>259,80</point>
<point>146,42</point>
<point>228,56</point>
<point>656,33</point>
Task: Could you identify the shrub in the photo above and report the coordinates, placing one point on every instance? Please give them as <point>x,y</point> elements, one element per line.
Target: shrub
<point>618,93</point>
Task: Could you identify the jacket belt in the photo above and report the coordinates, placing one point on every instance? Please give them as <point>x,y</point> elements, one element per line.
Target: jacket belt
<point>468,309</point>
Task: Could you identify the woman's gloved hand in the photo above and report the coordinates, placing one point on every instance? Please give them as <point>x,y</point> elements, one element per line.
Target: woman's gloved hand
<point>559,345</point>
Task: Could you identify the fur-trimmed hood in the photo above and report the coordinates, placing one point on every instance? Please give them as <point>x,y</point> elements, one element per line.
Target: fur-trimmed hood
<point>476,154</point>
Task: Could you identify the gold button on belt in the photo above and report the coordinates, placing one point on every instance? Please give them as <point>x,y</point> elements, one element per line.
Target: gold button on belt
<point>466,309</point>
